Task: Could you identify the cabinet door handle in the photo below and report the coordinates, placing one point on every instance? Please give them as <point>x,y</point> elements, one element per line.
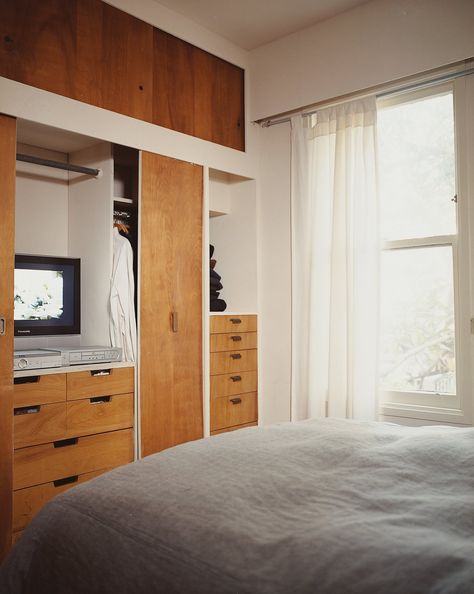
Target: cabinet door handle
<point>236,338</point>
<point>30,379</point>
<point>236,356</point>
<point>62,443</point>
<point>101,372</point>
<point>3,327</point>
<point>174,321</point>
<point>99,399</point>
<point>66,481</point>
<point>236,378</point>
<point>236,320</point>
<point>26,410</point>
<point>236,400</point>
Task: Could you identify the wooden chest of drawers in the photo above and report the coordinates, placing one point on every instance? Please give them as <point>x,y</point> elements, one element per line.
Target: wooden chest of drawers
<point>67,429</point>
<point>233,364</point>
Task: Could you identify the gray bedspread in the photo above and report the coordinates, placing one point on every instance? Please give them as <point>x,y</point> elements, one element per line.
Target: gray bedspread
<point>323,506</point>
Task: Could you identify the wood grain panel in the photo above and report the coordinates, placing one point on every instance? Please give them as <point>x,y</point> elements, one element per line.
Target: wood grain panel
<point>7,255</point>
<point>40,389</point>
<point>171,281</point>
<point>237,410</point>
<point>35,425</point>
<point>87,384</point>
<point>27,502</point>
<point>173,83</point>
<point>227,429</point>
<point>233,361</point>
<point>233,323</point>
<point>233,340</point>
<point>85,417</point>
<point>229,384</point>
<point>16,536</point>
<point>37,43</point>
<point>45,463</point>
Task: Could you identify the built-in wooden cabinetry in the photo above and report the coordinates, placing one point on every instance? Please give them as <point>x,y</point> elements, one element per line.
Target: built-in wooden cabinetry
<point>7,252</point>
<point>93,52</point>
<point>233,369</point>
<point>68,427</point>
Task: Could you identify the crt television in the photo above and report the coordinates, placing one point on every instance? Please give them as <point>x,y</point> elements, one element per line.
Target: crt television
<point>47,295</point>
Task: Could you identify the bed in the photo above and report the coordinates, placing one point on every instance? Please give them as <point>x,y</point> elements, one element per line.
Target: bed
<point>321,506</point>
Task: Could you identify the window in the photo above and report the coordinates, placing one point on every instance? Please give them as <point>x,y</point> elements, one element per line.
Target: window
<point>424,291</point>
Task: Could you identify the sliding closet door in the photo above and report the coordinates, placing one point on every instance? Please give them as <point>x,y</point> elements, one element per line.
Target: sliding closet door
<point>7,255</point>
<point>170,303</point>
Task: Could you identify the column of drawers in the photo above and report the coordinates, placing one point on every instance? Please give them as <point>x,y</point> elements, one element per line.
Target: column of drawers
<point>67,429</point>
<point>233,364</point>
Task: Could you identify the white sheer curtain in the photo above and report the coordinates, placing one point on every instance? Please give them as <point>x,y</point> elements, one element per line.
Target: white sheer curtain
<point>335,263</point>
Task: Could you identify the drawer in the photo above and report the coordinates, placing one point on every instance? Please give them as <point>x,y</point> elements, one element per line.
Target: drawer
<point>27,502</point>
<point>227,429</point>
<point>220,324</point>
<point>102,413</point>
<point>52,461</point>
<point>16,536</point>
<point>38,424</point>
<point>236,410</point>
<point>101,382</point>
<point>230,383</point>
<point>232,361</point>
<point>233,341</point>
<point>39,389</point>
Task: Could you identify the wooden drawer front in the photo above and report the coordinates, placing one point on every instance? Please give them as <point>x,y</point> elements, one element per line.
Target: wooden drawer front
<point>105,382</point>
<point>103,413</point>
<point>27,502</point>
<point>16,536</point>
<point>45,463</point>
<point>39,389</point>
<point>220,324</point>
<point>231,341</point>
<point>230,383</point>
<point>39,424</point>
<point>237,410</point>
<point>233,361</point>
<point>227,429</point>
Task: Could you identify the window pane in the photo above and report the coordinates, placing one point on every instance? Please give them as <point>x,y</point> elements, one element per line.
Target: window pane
<point>417,320</point>
<point>416,166</point>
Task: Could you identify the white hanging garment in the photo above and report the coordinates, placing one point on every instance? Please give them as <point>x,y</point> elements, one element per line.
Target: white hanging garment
<point>123,325</point>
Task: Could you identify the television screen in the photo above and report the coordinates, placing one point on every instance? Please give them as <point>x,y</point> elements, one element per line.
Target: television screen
<point>46,295</point>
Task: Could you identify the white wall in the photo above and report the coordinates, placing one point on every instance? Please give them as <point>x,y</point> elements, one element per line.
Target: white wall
<point>374,43</point>
<point>274,275</point>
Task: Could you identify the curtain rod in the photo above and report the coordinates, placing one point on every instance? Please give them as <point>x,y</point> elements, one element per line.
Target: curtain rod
<point>57,165</point>
<point>266,123</point>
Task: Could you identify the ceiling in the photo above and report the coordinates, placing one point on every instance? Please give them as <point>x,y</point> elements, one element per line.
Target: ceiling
<point>251,23</point>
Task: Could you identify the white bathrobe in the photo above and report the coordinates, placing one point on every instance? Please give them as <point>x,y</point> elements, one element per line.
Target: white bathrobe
<point>123,325</point>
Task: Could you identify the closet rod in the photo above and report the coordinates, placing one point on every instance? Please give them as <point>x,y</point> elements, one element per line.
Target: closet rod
<point>57,164</point>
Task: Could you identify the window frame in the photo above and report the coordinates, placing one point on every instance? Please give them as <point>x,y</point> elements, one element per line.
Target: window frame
<point>454,409</point>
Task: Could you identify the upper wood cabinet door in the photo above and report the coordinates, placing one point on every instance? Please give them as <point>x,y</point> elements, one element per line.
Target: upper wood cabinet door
<point>170,302</point>
<point>7,263</point>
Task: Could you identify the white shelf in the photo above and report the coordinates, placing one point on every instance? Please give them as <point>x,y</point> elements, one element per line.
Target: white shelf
<point>124,200</point>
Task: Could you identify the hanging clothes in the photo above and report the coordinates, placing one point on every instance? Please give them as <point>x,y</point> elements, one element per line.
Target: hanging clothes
<point>123,325</point>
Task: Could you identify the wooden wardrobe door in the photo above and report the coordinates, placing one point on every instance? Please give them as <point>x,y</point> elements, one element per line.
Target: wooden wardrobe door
<point>170,303</point>
<point>7,262</point>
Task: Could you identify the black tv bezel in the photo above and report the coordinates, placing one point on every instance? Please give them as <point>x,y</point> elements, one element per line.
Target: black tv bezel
<point>26,330</point>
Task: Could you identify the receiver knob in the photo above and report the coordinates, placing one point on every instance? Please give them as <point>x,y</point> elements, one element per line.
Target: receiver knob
<point>22,363</point>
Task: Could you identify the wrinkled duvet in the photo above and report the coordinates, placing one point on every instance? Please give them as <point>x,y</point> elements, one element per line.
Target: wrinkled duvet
<point>322,506</point>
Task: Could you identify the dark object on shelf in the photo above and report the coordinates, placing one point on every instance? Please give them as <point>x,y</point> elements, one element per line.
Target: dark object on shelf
<point>218,305</point>
<point>215,285</point>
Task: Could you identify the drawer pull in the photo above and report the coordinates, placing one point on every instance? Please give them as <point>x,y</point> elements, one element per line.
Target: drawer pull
<point>101,372</point>
<point>66,481</point>
<point>30,379</point>
<point>100,399</point>
<point>62,443</point>
<point>236,320</point>
<point>26,410</point>
<point>236,338</point>
<point>236,400</point>
<point>236,378</point>
<point>236,356</point>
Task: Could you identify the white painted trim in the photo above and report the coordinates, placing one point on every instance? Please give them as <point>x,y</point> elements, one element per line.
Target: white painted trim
<point>72,368</point>
<point>402,244</point>
<point>206,390</point>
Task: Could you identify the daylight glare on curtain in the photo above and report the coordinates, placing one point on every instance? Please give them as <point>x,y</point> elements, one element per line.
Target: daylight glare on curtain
<point>335,254</point>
